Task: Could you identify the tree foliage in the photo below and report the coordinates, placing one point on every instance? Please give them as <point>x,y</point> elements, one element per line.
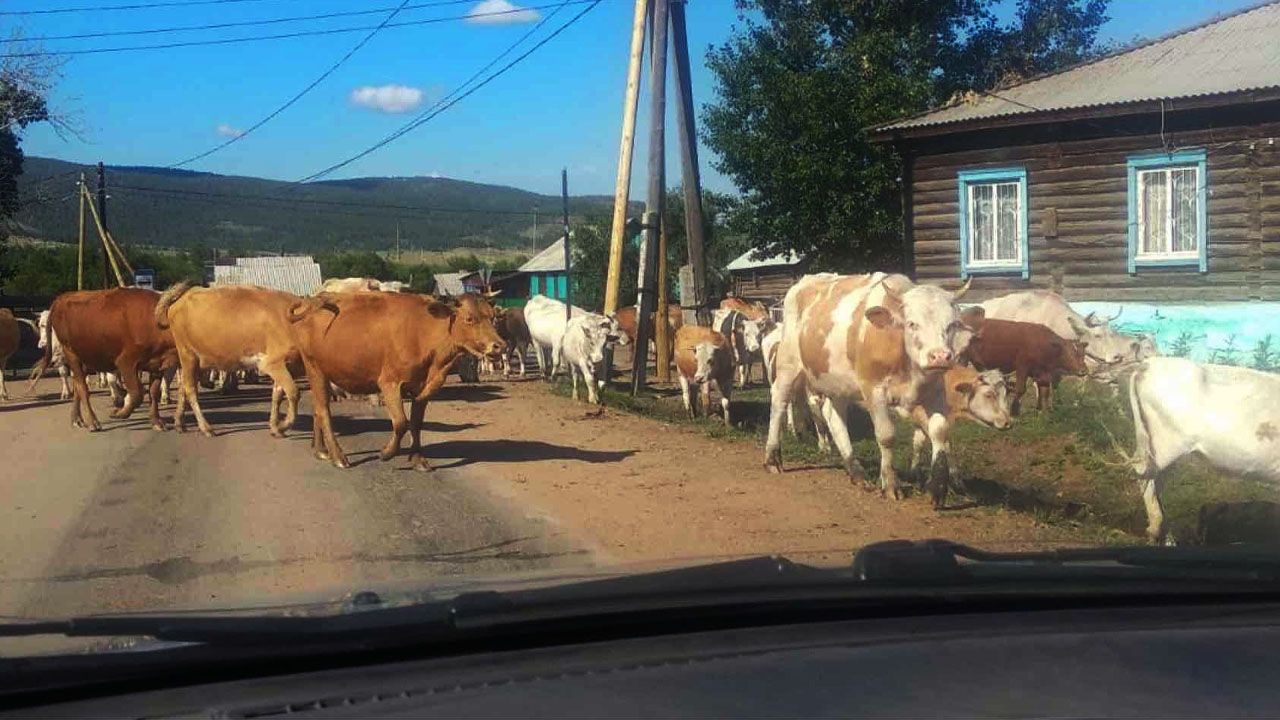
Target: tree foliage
<point>798,89</point>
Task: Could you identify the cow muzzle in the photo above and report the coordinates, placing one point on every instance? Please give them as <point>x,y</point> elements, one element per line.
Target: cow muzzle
<point>940,359</point>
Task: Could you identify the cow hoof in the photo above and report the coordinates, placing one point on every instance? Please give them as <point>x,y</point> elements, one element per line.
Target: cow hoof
<point>385,456</point>
<point>939,475</point>
<point>423,466</point>
<point>158,427</point>
<point>206,432</point>
<point>276,434</point>
<point>854,470</point>
<point>179,428</point>
<point>341,463</point>
<point>96,427</point>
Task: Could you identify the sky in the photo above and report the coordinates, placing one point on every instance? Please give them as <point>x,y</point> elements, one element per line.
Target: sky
<point>560,107</point>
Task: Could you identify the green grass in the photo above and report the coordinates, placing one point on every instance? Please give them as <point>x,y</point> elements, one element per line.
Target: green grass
<point>1059,465</point>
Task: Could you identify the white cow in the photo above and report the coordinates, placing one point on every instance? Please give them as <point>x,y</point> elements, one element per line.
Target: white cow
<point>47,338</point>
<point>582,349</point>
<point>546,320</point>
<point>875,339</point>
<point>1230,415</point>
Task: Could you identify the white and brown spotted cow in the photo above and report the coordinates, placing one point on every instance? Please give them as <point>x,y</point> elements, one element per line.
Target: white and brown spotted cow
<point>875,339</point>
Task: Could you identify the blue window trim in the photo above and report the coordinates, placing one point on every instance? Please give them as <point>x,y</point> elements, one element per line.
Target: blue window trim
<point>969,177</point>
<point>535,287</point>
<point>1157,160</point>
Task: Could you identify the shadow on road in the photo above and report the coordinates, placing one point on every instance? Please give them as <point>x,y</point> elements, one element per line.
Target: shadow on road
<point>468,452</point>
<point>470,393</point>
<point>26,403</point>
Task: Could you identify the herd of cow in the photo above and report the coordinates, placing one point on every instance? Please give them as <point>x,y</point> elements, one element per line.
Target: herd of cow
<point>878,340</point>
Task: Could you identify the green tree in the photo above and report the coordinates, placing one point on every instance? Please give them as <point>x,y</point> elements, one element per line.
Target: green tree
<point>463,262</point>
<point>798,88</point>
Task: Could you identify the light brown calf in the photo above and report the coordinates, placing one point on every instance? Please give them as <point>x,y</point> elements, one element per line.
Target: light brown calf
<point>703,357</point>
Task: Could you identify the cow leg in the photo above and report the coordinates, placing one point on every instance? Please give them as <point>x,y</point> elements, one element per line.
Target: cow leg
<point>919,443</point>
<point>324,444</point>
<point>589,377</point>
<point>66,386</point>
<point>726,391</point>
<point>686,395</point>
<point>1019,389</point>
<point>127,371</point>
<point>882,420</point>
<point>417,410</point>
<point>1151,488</point>
<point>395,411</point>
<point>833,413</point>
<point>940,469</point>
<point>780,397</point>
<point>4,390</point>
<point>80,406</point>
<point>157,381</point>
<point>283,380</point>
<point>573,375</point>
<point>192,392</point>
<point>820,429</point>
<point>520,352</point>
<point>419,406</point>
<point>704,391</point>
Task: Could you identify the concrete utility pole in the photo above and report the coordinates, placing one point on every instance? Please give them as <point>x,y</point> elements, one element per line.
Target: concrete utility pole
<point>568,277</point>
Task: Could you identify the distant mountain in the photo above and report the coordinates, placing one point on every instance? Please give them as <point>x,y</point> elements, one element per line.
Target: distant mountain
<point>180,208</point>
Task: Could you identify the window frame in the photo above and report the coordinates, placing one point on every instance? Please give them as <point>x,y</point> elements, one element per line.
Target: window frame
<point>1165,161</point>
<point>968,178</point>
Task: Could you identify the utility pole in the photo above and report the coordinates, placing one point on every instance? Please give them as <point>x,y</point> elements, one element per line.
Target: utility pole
<point>690,179</point>
<point>622,189</point>
<point>102,218</point>
<point>80,246</point>
<point>657,191</point>
<point>568,278</point>
<point>397,241</point>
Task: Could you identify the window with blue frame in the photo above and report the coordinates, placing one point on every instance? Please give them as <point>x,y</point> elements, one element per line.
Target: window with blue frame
<point>993,222</point>
<point>563,281</point>
<point>1168,225</point>
<point>535,287</point>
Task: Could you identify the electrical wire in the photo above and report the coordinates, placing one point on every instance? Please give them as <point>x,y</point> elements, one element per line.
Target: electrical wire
<point>281,36</point>
<point>137,6</point>
<point>241,135</point>
<point>436,110</point>
<point>237,23</point>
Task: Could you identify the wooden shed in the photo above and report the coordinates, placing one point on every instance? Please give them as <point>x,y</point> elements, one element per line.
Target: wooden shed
<point>1148,176</point>
<point>546,272</point>
<point>766,279</point>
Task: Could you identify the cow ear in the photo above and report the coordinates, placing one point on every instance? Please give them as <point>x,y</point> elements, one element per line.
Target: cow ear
<point>964,388</point>
<point>882,317</point>
<point>439,310</point>
<point>974,317</point>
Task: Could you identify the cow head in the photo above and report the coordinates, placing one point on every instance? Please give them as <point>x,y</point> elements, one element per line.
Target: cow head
<point>615,334</point>
<point>1071,356</point>
<point>932,332</point>
<point>704,355</point>
<point>471,325</point>
<point>753,332</point>
<point>1105,344</point>
<point>597,333</point>
<point>42,322</point>
<point>985,398</point>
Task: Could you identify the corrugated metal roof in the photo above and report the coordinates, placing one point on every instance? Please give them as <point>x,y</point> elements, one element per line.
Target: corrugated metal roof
<point>744,261</point>
<point>299,275</point>
<point>450,283</point>
<point>1236,53</point>
<point>549,260</point>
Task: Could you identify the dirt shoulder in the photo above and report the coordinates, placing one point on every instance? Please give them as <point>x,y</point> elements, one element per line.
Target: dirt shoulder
<point>643,490</point>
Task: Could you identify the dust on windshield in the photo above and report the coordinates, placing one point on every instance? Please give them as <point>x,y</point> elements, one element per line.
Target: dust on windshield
<point>298,302</point>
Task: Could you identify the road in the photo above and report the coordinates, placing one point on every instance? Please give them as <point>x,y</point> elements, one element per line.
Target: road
<point>130,519</point>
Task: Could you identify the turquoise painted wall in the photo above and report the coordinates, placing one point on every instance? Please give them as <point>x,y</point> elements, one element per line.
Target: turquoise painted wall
<point>1232,333</point>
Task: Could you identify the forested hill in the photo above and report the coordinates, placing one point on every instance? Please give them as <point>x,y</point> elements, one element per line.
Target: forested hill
<point>180,208</point>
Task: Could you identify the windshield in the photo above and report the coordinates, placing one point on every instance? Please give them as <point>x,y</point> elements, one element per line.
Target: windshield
<point>305,300</point>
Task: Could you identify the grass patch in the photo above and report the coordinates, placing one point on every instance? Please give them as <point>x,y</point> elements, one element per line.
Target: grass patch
<point>1059,465</point>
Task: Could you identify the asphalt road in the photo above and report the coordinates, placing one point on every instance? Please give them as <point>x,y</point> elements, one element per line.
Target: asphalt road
<point>131,519</point>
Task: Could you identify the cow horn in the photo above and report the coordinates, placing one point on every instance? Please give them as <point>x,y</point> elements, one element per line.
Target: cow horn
<point>493,293</point>
<point>1115,317</point>
<point>959,293</point>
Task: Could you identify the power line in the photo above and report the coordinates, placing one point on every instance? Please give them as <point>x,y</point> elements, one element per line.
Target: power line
<point>238,23</point>
<point>280,36</point>
<point>421,120</point>
<point>138,6</point>
<point>240,136</point>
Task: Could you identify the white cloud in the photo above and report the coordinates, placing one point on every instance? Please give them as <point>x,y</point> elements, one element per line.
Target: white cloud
<point>484,13</point>
<point>226,131</point>
<point>387,98</point>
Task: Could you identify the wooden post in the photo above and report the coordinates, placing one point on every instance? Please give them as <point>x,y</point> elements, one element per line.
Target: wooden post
<point>690,175</point>
<point>661,337</point>
<point>654,204</point>
<point>622,189</point>
<point>107,258</point>
<point>80,247</point>
<point>568,278</point>
<point>101,220</point>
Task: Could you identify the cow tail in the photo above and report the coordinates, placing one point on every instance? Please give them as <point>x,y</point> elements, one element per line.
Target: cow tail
<point>306,306</point>
<point>167,299</point>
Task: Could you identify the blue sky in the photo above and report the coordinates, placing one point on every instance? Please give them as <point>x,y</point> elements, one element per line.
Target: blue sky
<point>560,107</point>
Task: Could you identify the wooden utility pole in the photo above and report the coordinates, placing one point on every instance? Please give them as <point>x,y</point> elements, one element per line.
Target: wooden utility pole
<point>568,278</point>
<point>397,241</point>
<point>622,190</point>
<point>661,337</point>
<point>654,204</point>
<point>690,178</point>
<point>100,217</point>
<point>80,248</point>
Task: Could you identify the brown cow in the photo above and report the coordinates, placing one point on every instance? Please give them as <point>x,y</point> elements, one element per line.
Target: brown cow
<point>229,328</point>
<point>703,357</point>
<point>626,317</point>
<point>389,343</point>
<point>111,331</point>
<point>515,333</point>
<point>1030,350</point>
<point>9,337</point>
